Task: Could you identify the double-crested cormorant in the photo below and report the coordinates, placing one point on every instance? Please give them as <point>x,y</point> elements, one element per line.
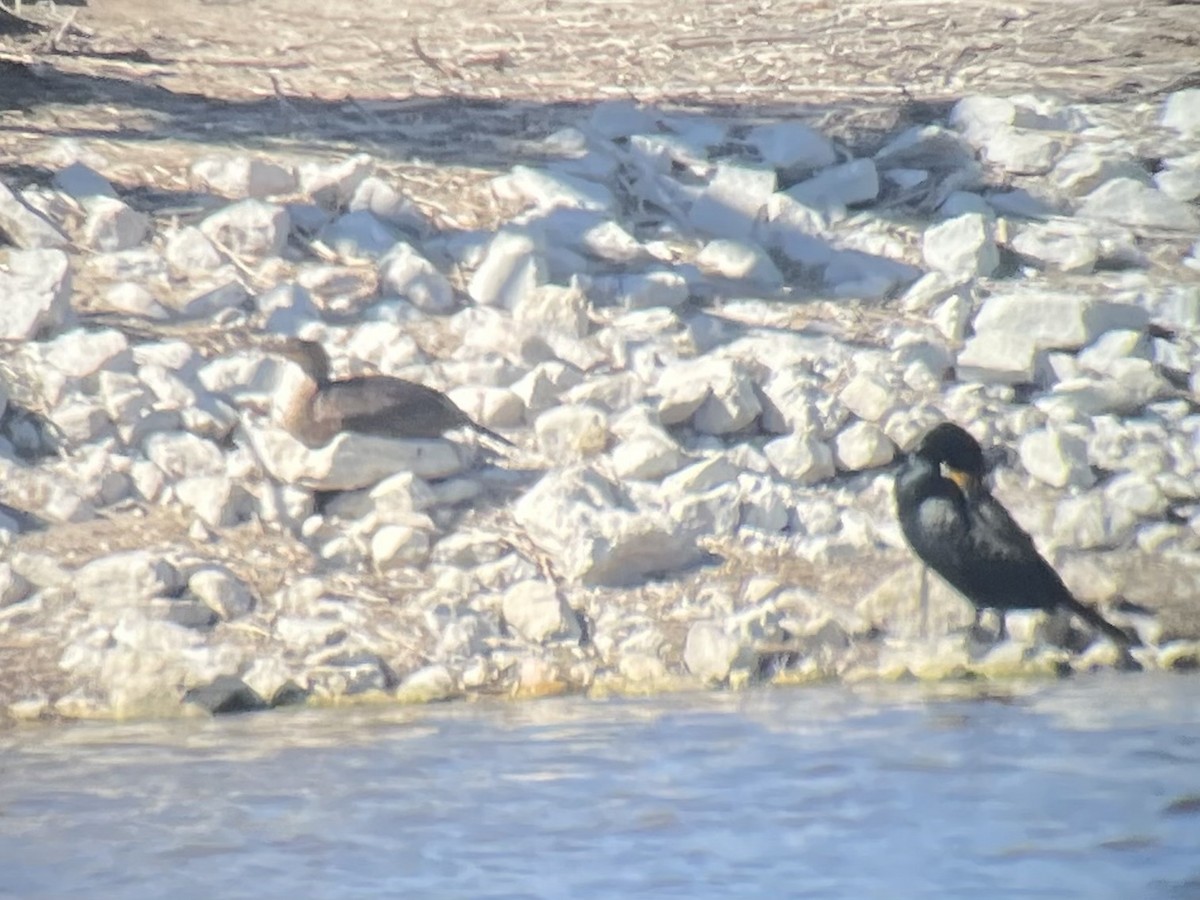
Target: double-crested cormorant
<point>962,532</point>
<point>371,404</point>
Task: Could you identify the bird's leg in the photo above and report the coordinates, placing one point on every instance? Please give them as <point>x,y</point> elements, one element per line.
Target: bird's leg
<point>924,602</point>
<point>1002,631</point>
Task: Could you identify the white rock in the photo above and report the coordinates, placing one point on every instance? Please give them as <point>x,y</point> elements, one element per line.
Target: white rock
<point>1086,166</point>
<point>408,274</point>
<point>791,146</point>
<point>867,396</point>
<point>80,182</point>
<point>1182,111</point>
<point>81,420</point>
<point>243,176</point>
<point>512,267</point>
<point>554,309</point>
<point>647,455</point>
<point>1061,321</point>
<point>333,186</point>
<point>111,225</point>
<point>217,500</point>
<point>643,290</point>
<point>730,203</point>
<point>1012,329</point>
<point>962,246</point>
<point>126,579</point>
<point>572,432</point>
<point>544,384</point>
<point>801,457</point>
<point>13,586</point>
<point>739,260</point>
<point>709,652</point>
<point>588,526</point>
<point>702,476</point>
<point>1129,202</point>
<point>795,231</point>
<point>1021,152</point>
<point>376,196</point>
<point>25,226</point>
<point>249,228</point>
<point>730,404</point>
<point>189,251</point>
<point>546,189</point>
<point>358,235</point>
<point>926,146</point>
<point>853,182</point>
<point>133,298</point>
<point>539,613</point>
<point>1180,180</point>
<point>978,116</point>
<point>352,460</point>
<point>491,406</point>
<point>222,591</point>
<point>80,353</point>
<point>853,273</point>
<point>399,545</point>
<point>1056,458</point>
<point>1058,246</point>
<point>183,455</point>
<point>959,203</point>
<point>34,293</point>
<point>862,445</point>
<point>1136,494</point>
<point>1088,523</point>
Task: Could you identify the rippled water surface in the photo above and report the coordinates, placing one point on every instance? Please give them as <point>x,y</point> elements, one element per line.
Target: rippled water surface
<point>1087,788</point>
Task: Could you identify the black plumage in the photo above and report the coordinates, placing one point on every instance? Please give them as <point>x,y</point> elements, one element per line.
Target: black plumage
<point>964,534</point>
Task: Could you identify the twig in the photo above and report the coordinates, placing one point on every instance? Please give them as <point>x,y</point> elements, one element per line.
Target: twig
<point>429,60</point>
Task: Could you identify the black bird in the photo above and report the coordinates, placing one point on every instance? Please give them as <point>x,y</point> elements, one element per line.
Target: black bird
<point>964,534</point>
<point>371,404</point>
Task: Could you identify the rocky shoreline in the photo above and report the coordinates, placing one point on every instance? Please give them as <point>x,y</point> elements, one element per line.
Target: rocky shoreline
<point>709,339</point>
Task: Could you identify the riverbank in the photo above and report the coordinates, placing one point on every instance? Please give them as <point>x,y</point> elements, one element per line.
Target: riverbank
<point>710,327</point>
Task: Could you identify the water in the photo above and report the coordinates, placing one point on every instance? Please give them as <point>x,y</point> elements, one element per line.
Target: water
<point>1087,788</point>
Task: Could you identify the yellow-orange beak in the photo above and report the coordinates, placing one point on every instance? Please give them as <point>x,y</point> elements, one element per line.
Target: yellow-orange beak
<point>964,480</point>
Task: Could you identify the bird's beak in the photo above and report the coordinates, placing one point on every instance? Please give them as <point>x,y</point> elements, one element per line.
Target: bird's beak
<point>964,480</point>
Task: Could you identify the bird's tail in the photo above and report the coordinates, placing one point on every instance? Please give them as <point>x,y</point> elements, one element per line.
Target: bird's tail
<point>487,432</point>
<point>1121,637</point>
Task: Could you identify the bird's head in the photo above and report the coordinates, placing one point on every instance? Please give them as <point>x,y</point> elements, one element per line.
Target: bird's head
<point>309,355</point>
<point>958,455</point>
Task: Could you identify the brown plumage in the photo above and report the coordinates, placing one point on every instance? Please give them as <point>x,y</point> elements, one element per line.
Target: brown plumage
<point>372,404</point>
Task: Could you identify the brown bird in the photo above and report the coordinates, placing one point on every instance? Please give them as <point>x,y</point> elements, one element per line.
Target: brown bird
<point>371,404</point>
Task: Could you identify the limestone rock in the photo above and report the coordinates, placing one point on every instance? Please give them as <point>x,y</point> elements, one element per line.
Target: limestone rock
<point>409,275</point>
<point>1126,201</point>
<point>847,184</point>
<point>25,226</point>
<point>709,652</point>
<point>538,613</point>
<point>738,260</point>
<point>126,579</point>
<point>34,293</point>
<point>352,460</point>
<point>1056,458</point>
<point>248,228</point>
<point>863,445</point>
<point>111,225</point>
<point>243,176</point>
<point>512,267</point>
<point>730,203</point>
<point>963,246</point>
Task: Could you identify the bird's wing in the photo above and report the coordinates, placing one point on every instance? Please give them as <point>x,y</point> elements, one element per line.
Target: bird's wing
<point>1006,562</point>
